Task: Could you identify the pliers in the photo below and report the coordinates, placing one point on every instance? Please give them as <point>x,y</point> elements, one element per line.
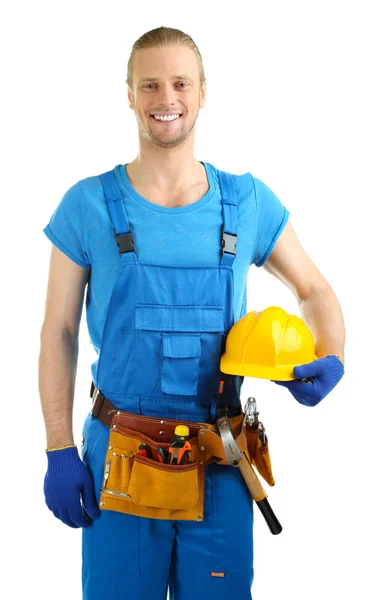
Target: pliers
<point>145,450</point>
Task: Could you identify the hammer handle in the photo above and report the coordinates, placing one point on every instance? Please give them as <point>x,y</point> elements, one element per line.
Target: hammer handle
<point>258,494</point>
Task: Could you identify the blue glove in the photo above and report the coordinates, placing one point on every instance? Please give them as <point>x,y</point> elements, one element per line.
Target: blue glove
<point>68,478</point>
<point>324,373</point>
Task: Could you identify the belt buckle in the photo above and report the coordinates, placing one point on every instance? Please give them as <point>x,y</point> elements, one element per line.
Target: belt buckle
<point>97,406</point>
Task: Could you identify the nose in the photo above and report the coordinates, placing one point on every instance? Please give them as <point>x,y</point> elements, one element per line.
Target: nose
<point>167,95</point>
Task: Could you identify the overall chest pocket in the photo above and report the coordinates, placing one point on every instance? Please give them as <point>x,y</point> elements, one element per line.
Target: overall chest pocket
<point>180,363</point>
<point>178,348</point>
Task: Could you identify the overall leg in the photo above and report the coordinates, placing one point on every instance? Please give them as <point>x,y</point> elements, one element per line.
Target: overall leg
<point>124,557</point>
<point>214,558</point>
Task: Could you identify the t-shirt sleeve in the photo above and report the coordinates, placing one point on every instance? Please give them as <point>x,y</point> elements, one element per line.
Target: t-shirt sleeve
<point>67,225</point>
<point>272,217</point>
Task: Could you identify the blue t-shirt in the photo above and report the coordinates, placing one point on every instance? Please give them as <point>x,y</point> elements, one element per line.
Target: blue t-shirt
<point>189,235</point>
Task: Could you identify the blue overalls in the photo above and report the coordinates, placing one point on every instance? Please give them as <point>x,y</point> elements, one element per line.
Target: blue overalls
<point>164,333</point>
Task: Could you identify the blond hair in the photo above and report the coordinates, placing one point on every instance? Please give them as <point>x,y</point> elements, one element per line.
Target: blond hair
<point>164,36</point>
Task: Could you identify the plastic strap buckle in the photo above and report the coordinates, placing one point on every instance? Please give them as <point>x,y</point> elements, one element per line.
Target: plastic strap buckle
<point>125,242</point>
<point>229,241</point>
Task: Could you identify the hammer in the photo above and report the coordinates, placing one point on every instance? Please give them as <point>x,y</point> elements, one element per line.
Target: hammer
<point>239,459</point>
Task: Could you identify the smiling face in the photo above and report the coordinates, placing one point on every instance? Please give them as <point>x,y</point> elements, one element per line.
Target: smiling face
<point>166,84</point>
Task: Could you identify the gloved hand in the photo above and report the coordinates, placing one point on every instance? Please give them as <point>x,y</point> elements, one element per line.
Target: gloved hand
<point>66,480</point>
<point>324,373</point>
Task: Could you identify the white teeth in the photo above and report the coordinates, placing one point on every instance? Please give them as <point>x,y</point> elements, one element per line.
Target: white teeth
<point>166,118</point>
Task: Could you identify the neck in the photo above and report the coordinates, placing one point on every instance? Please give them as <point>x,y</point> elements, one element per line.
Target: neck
<point>163,168</point>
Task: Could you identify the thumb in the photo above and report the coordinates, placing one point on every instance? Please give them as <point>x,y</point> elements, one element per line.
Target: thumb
<point>308,370</point>
<point>89,499</point>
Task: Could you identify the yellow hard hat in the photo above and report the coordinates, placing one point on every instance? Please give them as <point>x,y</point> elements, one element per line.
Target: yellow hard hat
<point>268,345</point>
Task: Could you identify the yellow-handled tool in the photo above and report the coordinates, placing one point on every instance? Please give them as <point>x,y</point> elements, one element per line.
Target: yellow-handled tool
<point>179,445</point>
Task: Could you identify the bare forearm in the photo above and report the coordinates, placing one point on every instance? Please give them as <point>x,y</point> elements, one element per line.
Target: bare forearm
<point>57,372</point>
<point>322,313</point>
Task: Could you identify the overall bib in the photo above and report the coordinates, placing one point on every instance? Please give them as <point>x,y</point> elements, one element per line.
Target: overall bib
<point>164,333</point>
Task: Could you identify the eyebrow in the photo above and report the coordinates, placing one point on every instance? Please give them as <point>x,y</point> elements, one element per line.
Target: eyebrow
<point>144,79</point>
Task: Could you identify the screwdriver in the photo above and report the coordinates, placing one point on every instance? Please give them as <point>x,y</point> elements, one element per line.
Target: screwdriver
<point>179,444</point>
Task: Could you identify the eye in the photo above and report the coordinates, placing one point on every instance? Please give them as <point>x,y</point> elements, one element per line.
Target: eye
<point>149,85</point>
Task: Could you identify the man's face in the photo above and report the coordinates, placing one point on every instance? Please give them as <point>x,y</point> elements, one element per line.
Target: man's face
<point>166,82</point>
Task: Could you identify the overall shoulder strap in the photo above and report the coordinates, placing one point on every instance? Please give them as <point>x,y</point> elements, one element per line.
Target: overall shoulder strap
<point>230,217</point>
<point>119,218</point>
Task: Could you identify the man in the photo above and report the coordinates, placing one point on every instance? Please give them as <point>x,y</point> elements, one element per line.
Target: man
<point>162,293</point>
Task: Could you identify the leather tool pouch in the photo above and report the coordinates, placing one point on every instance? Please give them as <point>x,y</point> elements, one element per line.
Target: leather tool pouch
<point>248,439</point>
<point>259,454</point>
<point>142,486</point>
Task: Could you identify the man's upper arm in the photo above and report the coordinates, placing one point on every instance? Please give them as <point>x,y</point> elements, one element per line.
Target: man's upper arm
<point>65,292</point>
<point>289,262</point>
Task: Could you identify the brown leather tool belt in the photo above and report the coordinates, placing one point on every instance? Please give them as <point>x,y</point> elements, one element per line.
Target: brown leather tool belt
<point>105,411</point>
<point>142,486</point>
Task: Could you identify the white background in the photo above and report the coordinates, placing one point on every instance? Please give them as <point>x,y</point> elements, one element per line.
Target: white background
<point>292,97</point>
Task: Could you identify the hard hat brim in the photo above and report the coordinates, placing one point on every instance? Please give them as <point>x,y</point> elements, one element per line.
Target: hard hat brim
<point>280,373</point>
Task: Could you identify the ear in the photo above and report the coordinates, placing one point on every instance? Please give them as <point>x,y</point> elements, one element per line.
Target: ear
<point>202,95</point>
<point>130,98</point>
